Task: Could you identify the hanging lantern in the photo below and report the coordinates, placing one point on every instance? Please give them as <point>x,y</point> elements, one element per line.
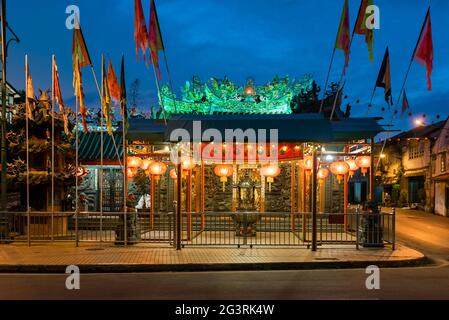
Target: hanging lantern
<point>157,169</point>
<point>145,165</point>
<point>224,172</point>
<point>187,163</point>
<point>323,173</point>
<point>364,163</point>
<point>270,171</point>
<point>134,162</point>
<point>174,174</point>
<point>353,167</point>
<point>307,163</point>
<point>131,172</point>
<point>339,168</point>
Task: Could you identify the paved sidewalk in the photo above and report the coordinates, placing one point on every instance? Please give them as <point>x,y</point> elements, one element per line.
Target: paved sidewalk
<point>54,258</point>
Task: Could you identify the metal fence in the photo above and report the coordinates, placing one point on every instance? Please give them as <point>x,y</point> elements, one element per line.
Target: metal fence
<point>209,229</point>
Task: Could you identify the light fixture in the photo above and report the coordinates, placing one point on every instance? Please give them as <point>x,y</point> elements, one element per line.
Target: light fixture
<point>134,162</point>
<point>353,167</point>
<point>157,169</point>
<point>145,164</point>
<point>187,163</point>
<point>224,171</point>
<point>270,171</point>
<point>307,163</point>
<point>364,162</point>
<point>339,168</point>
<point>329,158</point>
<point>322,174</point>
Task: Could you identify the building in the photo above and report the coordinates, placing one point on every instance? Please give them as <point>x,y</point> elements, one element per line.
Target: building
<point>408,166</point>
<point>13,97</point>
<point>440,172</point>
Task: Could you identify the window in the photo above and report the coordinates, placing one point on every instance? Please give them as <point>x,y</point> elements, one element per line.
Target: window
<point>415,150</point>
<point>443,162</point>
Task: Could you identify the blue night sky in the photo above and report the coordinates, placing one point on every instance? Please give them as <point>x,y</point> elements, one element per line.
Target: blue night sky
<point>240,39</point>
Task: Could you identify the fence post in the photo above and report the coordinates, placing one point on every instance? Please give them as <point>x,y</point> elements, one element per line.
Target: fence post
<point>394,228</point>
<point>29,226</point>
<point>357,234</point>
<point>172,223</point>
<point>179,204</point>
<point>125,226</point>
<point>314,204</point>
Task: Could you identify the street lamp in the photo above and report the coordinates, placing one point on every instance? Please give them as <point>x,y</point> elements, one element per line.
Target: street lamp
<point>5,45</point>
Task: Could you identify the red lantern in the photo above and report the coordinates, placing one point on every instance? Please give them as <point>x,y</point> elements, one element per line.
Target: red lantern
<point>131,173</point>
<point>364,163</point>
<point>353,167</point>
<point>270,171</point>
<point>174,174</point>
<point>157,169</point>
<point>224,171</point>
<point>134,162</point>
<point>145,165</point>
<point>323,173</point>
<point>307,163</point>
<point>339,168</point>
<point>187,163</point>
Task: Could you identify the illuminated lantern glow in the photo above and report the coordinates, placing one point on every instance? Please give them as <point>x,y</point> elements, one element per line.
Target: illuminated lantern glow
<point>323,173</point>
<point>187,163</point>
<point>224,171</point>
<point>270,171</point>
<point>131,172</point>
<point>364,163</point>
<point>157,169</point>
<point>174,174</point>
<point>145,165</point>
<point>339,168</point>
<point>307,163</point>
<point>353,167</point>
<point>134,162</point>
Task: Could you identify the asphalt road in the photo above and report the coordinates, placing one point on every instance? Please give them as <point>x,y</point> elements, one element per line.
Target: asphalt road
<point>427,233</point>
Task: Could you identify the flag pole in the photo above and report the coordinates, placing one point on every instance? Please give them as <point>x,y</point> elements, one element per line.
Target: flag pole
<point>169,81</point>
<point>52,146</point>
<point>371,100</point>
<point>77,168</point>
<point>327,79</point>
<point>102,148</point>
<point>27,106</point>
<point>100,94</point>
<point>159,92</point>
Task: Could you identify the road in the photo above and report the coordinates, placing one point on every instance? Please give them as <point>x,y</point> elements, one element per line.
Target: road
<point>427,233</point>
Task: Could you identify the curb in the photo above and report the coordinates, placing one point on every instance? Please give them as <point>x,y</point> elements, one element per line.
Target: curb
<point>278,266</point>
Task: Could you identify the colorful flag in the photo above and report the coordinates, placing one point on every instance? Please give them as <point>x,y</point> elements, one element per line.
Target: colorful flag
<point>140,30</point>
<point>123,94</point>
<point>405,104</point>
<point>114,87</point>
<point>106,98</point>
<point>155,37</point>
<point>384,78</point>
<point>30,98</point>
<point>79,48</point>
<point>423,53</point>
<point>361,26</point>
<point>79,93</point>
<point>343,41</point>
<point>58,96</point>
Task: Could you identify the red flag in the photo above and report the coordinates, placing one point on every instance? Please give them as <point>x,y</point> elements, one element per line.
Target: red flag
<point>424,49</point>
<point>405,104</point>
<point>79,48</point>
<point>155,37</point>
<point>79,93</point>
<point>113,86</point>
<point>361,26</point>
<point>343,40</point>
<point>58,96</point>
<point>140,30</point>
